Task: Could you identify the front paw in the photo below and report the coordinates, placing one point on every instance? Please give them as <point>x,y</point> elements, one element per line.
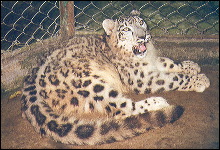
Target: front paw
<point>190,67</point>
<point>201,82</point>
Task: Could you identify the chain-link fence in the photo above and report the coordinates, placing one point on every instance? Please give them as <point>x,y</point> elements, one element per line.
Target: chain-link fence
<point>25,22</point>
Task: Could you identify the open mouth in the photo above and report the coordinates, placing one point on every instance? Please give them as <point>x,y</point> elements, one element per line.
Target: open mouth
<point>140,50</point>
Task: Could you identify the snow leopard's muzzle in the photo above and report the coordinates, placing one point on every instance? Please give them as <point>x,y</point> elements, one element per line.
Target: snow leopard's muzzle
<point>140,49</point>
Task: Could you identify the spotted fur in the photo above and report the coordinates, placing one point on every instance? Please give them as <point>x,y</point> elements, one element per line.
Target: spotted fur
<point>77,94</point>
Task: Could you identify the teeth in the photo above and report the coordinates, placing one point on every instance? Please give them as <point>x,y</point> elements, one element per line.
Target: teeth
<point>139,49</point>
<point>138,52</point>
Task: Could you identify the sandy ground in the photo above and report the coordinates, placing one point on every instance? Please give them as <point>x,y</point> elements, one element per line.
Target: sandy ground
<point>197,128</point>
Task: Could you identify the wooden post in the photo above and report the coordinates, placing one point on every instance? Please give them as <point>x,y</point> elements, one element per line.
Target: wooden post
<point>67,21</point>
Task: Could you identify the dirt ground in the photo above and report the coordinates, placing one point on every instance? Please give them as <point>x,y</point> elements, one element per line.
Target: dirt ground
<point>197,128</point>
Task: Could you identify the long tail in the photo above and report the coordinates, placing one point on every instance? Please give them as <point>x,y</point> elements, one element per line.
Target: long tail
<point>72,130</point>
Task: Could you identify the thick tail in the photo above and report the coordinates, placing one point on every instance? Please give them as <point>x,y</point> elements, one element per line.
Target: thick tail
<point>72,130</point>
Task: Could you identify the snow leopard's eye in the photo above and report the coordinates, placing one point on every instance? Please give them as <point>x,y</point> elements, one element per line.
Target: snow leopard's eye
<point>126,29</point>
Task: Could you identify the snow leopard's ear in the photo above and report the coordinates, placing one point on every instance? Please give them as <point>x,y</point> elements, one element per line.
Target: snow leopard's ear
<point>135,13</point>
<point>108,25</point>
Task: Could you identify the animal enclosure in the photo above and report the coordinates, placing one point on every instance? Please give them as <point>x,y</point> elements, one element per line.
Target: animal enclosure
<point>25,22</point>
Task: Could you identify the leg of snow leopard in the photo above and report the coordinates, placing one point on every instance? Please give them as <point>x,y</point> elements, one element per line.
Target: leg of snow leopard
<point>125,107</point>
<point>152,82</point>
<point>167,65</point>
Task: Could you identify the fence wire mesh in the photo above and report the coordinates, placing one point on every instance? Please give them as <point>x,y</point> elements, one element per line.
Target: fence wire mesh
<point>25,22</point>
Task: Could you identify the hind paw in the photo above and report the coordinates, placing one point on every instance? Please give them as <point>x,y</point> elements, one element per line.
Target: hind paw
<point>150,104</point>
<point>190,67</point>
